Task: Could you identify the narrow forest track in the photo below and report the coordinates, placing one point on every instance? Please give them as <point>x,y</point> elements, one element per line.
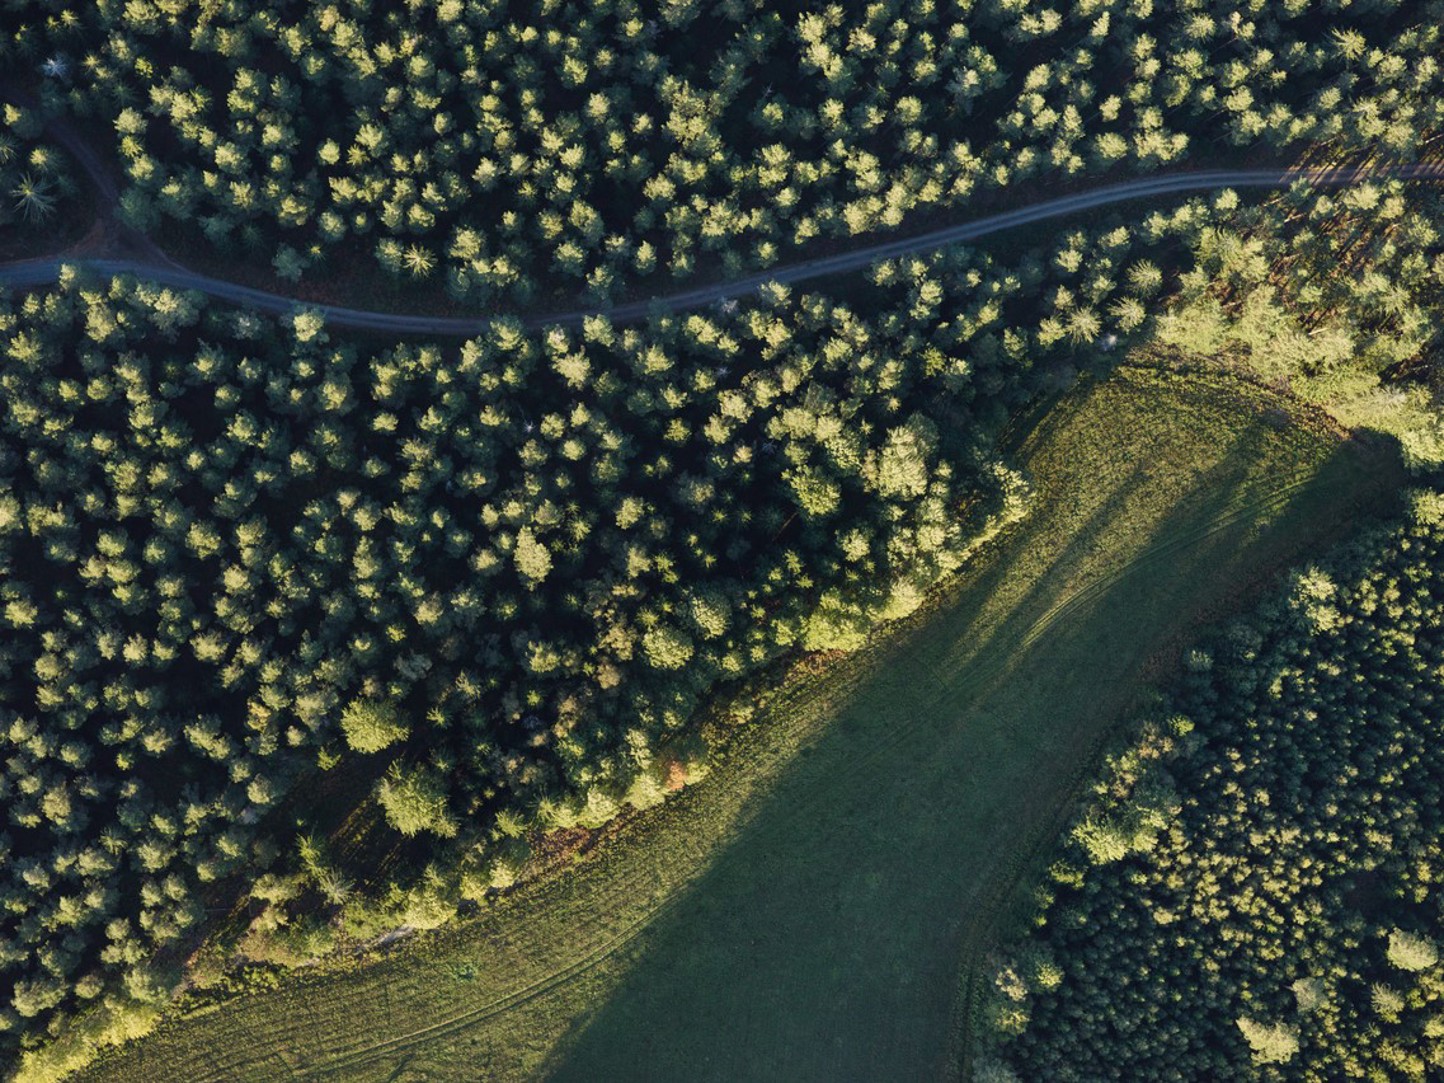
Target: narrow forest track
<point>802,913</point>
<point>132,253</point>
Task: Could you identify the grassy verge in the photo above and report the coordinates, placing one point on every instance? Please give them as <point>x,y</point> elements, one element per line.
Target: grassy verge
<point>802,912</point>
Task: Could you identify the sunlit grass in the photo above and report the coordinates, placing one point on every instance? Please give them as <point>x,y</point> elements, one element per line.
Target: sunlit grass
<point>804,911</point>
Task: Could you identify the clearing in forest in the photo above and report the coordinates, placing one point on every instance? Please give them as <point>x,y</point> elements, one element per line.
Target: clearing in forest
<point>803,912</point>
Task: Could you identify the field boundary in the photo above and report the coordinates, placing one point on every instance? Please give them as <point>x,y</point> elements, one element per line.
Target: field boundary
<point>632,893</point>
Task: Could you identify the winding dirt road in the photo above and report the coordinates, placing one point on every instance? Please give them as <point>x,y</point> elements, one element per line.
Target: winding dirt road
<point>145,260</point>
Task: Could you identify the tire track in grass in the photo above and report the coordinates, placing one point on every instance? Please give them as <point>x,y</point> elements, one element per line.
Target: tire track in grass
<point>404,1043</point>
<point>1039,835</point>
<point>355,1057</point>
<point>367,1055</point>
<point>638,883</point>
<point>1034,760</point>
<point>1273,501</point>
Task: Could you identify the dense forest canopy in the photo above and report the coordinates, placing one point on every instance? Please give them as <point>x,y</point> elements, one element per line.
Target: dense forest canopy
<point>503,574</point>
<point>35,180</point>
<point>494,580</point>
<point>504,148</point>
<point>488,585</point>
<point>1254,891</point>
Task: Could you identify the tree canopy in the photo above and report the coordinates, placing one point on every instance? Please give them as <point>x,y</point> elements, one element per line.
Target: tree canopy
<point>1278,918</point>
<point>505,150</point>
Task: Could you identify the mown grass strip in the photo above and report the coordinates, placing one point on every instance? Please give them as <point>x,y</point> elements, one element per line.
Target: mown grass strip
<point>802,912</point>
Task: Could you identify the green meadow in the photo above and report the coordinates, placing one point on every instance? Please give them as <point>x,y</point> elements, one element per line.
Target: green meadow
<point>812,908</point>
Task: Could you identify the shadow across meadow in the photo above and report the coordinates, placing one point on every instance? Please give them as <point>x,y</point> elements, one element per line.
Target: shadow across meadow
<point>806,912</point>
<point>824,941</point>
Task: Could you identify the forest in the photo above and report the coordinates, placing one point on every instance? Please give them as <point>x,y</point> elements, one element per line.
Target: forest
<point>235,557</point>
<point>35,181</point>
<point>516,152</point>
<point>475,594</point>
<point>1253,889</point>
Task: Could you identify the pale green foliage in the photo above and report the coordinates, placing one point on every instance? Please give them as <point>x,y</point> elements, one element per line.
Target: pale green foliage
<point>503,873</point>
<point>1313,594</point>
<point>591,811</point>
<point>371,725</point>
<point>597,809</point>
<point>1131,828</point>
<point>817,494</point>
<point>117,1021</point>
<point>710,613</point>
<point>1270,1043</point>
<point>308,325</point>
<point>988,1070</point>
<point>646,790</point>
<point>1103,841</point>
<point>1427,506</point>
<point>1386,1001</point>
<point>835,625</point>
<point>666,647</point>
<point>426,909</point>
<point>1359,401</point>
<point>414,801</point>
<point>1309,993</point>
<point>902,600</point>
<point>1197,329</point>
<point>1410,951</point>
<point>902,469</point>
<point>533,560</point>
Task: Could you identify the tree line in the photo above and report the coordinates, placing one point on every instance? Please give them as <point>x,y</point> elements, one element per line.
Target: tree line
<point>1334,296</point>
<point>494,581</point>
<point>1252,892</point>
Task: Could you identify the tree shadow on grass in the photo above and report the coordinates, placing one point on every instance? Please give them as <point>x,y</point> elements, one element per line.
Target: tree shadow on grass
<point>824,940</point>
<point>803,913</point>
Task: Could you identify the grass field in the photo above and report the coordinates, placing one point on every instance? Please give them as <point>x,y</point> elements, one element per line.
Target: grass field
<point>804,912</point>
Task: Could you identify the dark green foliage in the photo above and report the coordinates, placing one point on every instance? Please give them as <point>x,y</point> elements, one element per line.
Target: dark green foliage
<point>1284,921</point>
<point>233,551</point>
<point>488,586</point>
<point>34,180</point>
<point>589,145</point>
<point>539,551</point>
